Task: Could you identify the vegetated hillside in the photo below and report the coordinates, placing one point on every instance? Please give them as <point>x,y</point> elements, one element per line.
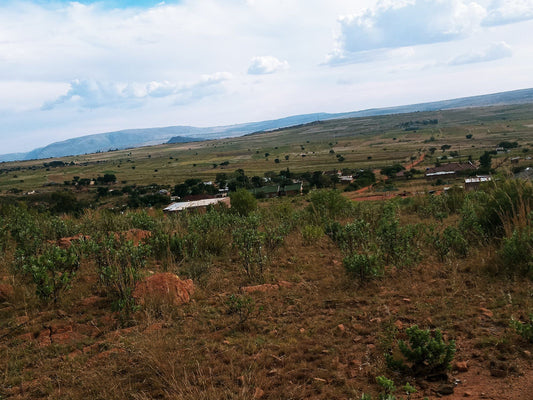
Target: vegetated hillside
<point>314,297</point>
<point>370,143</point>
<point>143,137</point>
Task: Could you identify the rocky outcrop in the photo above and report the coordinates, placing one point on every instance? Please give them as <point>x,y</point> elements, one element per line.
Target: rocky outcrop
<point>164,288</point>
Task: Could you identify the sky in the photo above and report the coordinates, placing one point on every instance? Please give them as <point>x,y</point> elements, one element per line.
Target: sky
<point>70,68</point>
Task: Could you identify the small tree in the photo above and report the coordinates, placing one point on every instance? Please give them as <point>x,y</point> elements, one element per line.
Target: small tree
<point>243,202</point>
<point>52,271</point>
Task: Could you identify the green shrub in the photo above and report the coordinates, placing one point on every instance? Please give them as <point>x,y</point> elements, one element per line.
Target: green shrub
<point>362,266</point>
<point>243,202</point>
<point>425,352</point>
<point>120,264</point>
<point>311,233</point>
<point>516,252</point>
<point>327,205</point>
<point>52,271</point>
<point>524,329</point>
<point>240,305</point>
<point>249,242</point>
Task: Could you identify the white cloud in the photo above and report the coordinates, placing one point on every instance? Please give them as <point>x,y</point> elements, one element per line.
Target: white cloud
<point>393,24</point>
<point>494,52</point>
<point>89,93</point>
<point>266,65</point>
<point>503,12</point>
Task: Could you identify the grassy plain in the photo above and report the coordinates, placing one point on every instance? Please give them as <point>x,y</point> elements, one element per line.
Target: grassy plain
<point>372,142</point>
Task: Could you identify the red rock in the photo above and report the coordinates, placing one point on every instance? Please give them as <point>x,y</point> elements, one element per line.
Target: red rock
<point>7,292</point>
<point>406,300</point>
<point>267,287</point>
<point>164,287</point>
<point>76,353</point>
<point>259,393</point>
<point>134,235</point>
<point>341,328</point>
<point>399,325</point>
<point>461,366</point>
<point>154,327</point>
<point>43,339</point>
<point>285,284</point>
<point>66,242</point>
<point>66,337</point>
<point>91,301</point>
<point>486,312</point>
<point>467,394</point>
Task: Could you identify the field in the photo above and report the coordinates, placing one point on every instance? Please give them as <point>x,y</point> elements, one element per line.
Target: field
<point>304,297</point>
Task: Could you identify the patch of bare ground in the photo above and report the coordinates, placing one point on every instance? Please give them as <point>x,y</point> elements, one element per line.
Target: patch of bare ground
<point>321,336</point>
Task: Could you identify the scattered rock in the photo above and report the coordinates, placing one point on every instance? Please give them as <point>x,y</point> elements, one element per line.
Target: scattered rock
<point>164,288</point>
<point>406,300</point>
<point>399,325</point>
<point>486,312</point>
<point>259,393</point>
<point>341,328</point>
<point>467,394</point>
<point>155,327</point>
<point>66,242</point>
<point>461,366</point>
<point>498,369</point>
<point>445,389</point>
<point>6,292</point>
<point>66,337</point>
<point>91,301</point>
<point>267,287</point>
<point>43,339</point>
<point>134,235</point>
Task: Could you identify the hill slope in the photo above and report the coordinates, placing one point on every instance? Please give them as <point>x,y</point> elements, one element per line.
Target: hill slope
<point>143,137</point>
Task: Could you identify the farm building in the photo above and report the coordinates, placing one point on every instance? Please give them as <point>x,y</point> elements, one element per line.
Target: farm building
<point>197,204</point>
<point>449,170</point>
<point>473,183</point>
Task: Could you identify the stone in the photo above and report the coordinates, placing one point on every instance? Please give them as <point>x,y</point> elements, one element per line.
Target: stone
<point>7,292</point>
<point>445,389</point>
<point>137,236</point>
<point>399,325</point>
<point>267,287</point>
<point>164,288</point>
<point>258,393</point>
<point>341,328</point>
<point>461,366</point>
<point>486,312</point>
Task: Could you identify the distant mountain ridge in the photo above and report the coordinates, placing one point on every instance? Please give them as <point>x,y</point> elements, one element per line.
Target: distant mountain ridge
<point>179,134</point>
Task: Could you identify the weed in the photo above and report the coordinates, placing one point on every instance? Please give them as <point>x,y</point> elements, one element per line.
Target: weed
<point>240,305</point>
<point>426,352</point>
<point>524,329</point>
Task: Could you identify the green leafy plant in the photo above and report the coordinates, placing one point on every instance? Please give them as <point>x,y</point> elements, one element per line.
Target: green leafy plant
<point>524,329</point>
<point>424,352</point>
<point>240,305</point>
<point>51,271</point>
<point>362,266</point>
<point>120,263</point>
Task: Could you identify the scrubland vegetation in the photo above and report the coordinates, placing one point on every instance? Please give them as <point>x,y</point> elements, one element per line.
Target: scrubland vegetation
<point>316,296</point>
<point>387,290</point>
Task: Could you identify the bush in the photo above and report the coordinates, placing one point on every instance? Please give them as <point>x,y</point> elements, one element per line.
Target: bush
<point>243,202</point>
<point>426,353</point>
<point>524,329</point>
<point>516,253</point>
<point>52,271</point>
<point>328,205</point>
<point>362,266</point>
<point>311,233</point>
<point>249,242</point>
<point>119,265</point>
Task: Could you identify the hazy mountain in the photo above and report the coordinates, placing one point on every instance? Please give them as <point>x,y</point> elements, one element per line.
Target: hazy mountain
<point>179,134</point>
